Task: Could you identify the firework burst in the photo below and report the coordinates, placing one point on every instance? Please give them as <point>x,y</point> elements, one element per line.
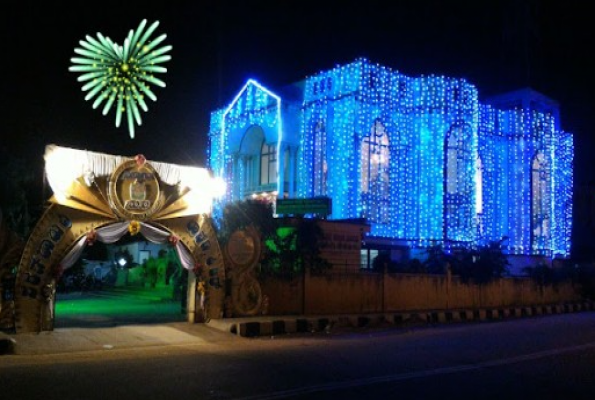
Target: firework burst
<point>121,75</point>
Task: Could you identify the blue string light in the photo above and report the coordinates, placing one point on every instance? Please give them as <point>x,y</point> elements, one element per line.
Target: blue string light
<point>421,158</point>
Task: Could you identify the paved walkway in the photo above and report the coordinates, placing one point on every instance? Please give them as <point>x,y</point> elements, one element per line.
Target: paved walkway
<point>161,326</point>
<point>68,340</point>
<point>105,320</point>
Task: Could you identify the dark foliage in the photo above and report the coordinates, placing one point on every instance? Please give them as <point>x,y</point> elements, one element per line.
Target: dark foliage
<point>309,235</point>
<point>17,187</point>
<point>585,274</point>
<point>96,251</point>
<point>541,274</point>
<point>438,260</point>
<point>241,214</point>
<point>581,274</point>
<point>74,279</point>
<point>413,266</point>
<point>546,275</point>
<point>382,261</point>
<point>297,248</point>
<point>481,265</point>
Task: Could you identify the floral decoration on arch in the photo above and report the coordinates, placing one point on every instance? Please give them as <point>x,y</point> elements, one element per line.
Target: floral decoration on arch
<point>201,288</point>
<point>173,240</point>
<point>134,228</point>
<point>140,160</point>
<point>91,237</point>
<point>197,269</point>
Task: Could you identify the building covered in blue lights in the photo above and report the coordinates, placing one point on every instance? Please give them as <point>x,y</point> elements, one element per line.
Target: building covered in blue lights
<point>422,159</point>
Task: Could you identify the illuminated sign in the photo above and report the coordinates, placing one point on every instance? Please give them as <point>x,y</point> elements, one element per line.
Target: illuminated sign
<point>134,190</point>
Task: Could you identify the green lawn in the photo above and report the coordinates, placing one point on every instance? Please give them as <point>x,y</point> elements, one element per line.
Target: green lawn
<point>87,308</point>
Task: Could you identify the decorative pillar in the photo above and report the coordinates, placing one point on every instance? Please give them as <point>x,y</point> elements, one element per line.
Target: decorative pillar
<point>292,162</point>
<point>191,309</point>
<point>242,178</point>
<point>281,171</point>
<point>235,177</point>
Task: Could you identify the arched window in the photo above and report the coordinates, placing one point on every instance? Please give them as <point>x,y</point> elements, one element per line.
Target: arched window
<point>374,184</point>
<point>455,161</point>
<point>268,164</point>
<point>459,212</point>
<point>540,214</point>
<point>320,166</point>
<point>247,161</point>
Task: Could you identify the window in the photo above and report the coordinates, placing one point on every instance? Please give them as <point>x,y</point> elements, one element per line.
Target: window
<point>540,216</point>
<point>268,164</point>
<point>458,184</point>
<point>366,258</point>
<point>478,186</point>
<point>374,185</point>
<point>455,161</point>
<point>248,161</point>
<point>251,165</point>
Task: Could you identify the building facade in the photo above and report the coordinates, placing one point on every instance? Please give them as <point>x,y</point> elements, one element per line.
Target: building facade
<point>422,159</point>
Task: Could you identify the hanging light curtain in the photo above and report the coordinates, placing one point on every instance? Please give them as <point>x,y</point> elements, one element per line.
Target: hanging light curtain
<point>112,233</point>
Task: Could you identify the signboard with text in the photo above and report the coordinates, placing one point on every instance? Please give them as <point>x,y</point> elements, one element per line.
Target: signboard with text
<point>321,206</point>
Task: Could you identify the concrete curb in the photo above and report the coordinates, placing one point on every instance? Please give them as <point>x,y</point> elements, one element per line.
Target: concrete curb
<point>272,325</point>
<point>7,344</point>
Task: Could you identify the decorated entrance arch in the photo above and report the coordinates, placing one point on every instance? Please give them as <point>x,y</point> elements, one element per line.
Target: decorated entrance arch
<point>101,197</point>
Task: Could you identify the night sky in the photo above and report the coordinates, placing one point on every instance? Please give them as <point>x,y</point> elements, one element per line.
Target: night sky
<point>217,45</point>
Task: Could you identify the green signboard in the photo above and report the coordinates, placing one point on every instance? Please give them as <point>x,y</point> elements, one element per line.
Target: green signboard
<point>321,206</point>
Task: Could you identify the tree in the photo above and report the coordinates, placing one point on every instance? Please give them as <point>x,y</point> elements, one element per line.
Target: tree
<point>437,260</point>
<point>17,186</point>
<point>479,265</point>
<point>291,244</point>
<point>309,235</point>
<point>241,214</point>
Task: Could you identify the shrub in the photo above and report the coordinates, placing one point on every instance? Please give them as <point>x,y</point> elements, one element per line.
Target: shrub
<point>481,265</point>
<point>586,279</point>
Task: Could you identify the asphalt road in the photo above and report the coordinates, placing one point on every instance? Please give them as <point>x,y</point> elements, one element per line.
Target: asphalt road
<point>548,357</point>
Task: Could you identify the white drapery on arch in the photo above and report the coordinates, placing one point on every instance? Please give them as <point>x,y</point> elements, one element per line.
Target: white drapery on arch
<point>112,233</point>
